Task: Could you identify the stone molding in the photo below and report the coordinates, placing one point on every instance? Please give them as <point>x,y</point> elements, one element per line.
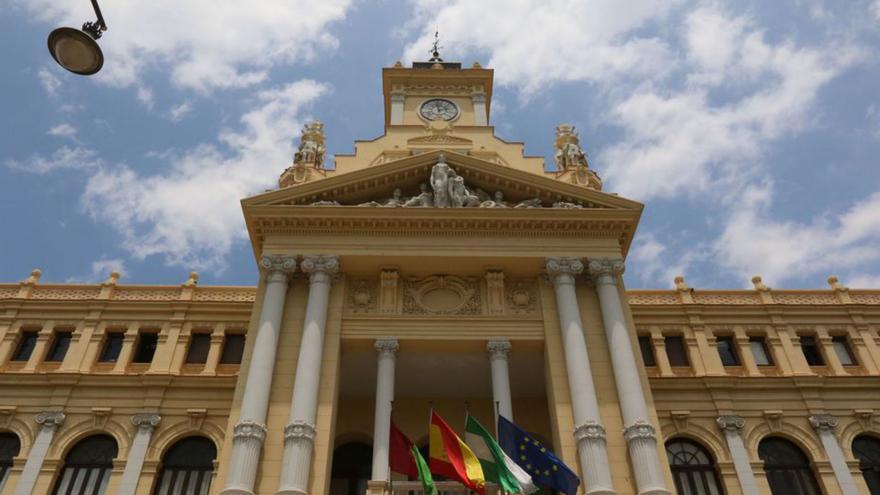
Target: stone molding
<point>824,422</point>
<point>498,349</point>
<point>590,430</point>
<point>639,429</point>
<point>146,421</point>
<point>299,429</point>
<point>386,346</point>
<point>730,422</point>
<point>249,429</point>
<point>50,419</point>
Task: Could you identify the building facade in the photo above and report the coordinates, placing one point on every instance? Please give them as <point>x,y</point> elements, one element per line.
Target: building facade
<point>438,268</point>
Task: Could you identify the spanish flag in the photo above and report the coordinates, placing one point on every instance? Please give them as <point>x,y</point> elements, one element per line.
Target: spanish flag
<point>449,456</point>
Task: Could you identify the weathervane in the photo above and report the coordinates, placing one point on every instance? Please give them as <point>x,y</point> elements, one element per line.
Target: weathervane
<point>435,50</point>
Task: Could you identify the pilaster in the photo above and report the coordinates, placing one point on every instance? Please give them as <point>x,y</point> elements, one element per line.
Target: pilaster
<point>49,422</point>
<point>732,427</point>
<point>825,426</point>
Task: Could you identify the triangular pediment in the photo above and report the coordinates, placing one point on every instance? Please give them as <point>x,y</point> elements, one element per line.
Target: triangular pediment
<point>482,178</point>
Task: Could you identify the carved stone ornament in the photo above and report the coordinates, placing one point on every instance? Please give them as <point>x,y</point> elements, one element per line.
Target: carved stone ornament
<point>498,349</point>
<point>730,422</point>
<point>521,297</point>
<point>361,296</point>
<point>570,157</point>
<point>600,267</point>
<point>442,295</point>
<point>278,263</point>
<point>564,266</point>
<point>249,429</point>
<point>50,419</point>
<point>308,157</point>
<point>590,430</point>
<point>386,346</point>
<point>299,429</point>
<point>823,422</point>
<point>640,429</point>
<point>146,421</point>
<point>328,265</point>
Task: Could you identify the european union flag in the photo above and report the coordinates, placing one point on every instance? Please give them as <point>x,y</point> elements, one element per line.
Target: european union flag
<point>544,467</point>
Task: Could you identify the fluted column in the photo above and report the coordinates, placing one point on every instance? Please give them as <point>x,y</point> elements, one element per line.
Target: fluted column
<point>498,350</point>
<point>386,350</point>
<point>589,432</point>
<point>145,423</point>
<point>250,431</point>
<point>640,434</point>
<point>299,434</point>
<point>732,427</point>
<point>49,422</point>
<point>825,424</point>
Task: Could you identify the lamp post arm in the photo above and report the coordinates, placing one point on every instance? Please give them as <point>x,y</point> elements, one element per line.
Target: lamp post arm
<point>102,25</point>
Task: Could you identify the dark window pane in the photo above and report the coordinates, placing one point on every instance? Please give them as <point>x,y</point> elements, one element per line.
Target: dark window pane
<point>727,351</point>
<point>844,353</point>
<point>675,351</point>
<point>9,447</point>
<point>759,351</point>
<point>26,344</point>
<point>60,344</point>
<point>787,468</point>
<point>692,468</point>
<point>112,347</point>
<point>146,347</point>
<point>647,350</point>
<point>199,345</point>
<point>87,467</point>
<point>811,350</point>
<point>233,349</point>
<point>867,450</point>
<point>187,467</point>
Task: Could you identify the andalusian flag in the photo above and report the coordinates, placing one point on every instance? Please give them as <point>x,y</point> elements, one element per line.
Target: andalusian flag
<point>451,457</point>
<point>428,487</point>
<point>497,466</point>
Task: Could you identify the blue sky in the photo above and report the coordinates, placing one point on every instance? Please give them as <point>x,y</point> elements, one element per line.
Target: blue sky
<point>750,130</point>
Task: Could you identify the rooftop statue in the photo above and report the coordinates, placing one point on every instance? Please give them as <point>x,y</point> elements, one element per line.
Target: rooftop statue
<point>308,157</point>
<point>571,158</point>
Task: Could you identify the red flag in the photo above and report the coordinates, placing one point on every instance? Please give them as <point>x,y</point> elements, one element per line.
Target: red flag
<point>400,455</point>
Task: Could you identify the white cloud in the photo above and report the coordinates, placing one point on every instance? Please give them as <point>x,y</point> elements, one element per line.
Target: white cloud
<point>50,81</point>
<point>191,214</point>
<point>652,258</point>
<point>101,270</point>
<point>145,96</point>
<point>178,112</point>
<point>537,42</point>
<point>875,9</point>
<point>63,130</point>
<point>755,243</point>
<point>204,44</point>
<point>64,158</point>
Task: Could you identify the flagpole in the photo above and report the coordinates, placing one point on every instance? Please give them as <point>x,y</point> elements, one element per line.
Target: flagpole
<point>497,414</point>
<point>390,483</point>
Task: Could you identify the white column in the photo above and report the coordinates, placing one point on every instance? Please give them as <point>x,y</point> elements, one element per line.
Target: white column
<point>480,113</point>
<point>299,434</point>
<point>588,431</point>
<point>144,423</point>
<point>250,431</point>
<point>387,350</point>
<point>732,427</point>
<point>640,434</point>
<point>397,99</point>
<point>825,424</point>
<point>498,350</point>
<point>49,422</point>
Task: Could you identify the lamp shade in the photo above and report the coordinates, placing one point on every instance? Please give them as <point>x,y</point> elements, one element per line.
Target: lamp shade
<point>75,50</point>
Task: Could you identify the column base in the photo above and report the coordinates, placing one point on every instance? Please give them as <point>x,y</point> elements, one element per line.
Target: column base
<point>655,491</point>
<point>377,487</point>
<point>601,491</point>
<point>291,491</point>
<point>236,491</point>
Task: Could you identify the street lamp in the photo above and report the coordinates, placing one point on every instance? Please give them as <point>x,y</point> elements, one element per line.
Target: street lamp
<point>76,50</point>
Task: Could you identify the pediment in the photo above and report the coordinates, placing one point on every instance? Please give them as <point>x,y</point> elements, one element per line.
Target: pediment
<point>439,140</point>
<point>411,175</point>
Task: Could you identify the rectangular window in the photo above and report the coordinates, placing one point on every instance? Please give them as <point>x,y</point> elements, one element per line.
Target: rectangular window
<point>199,345</point>
<point>647,350</point>
<point>676,351</point>
<point>727,351</point>
<point>112,347</point>
<point>759,351</point>
<point>26,344</point>
<point>811,351</point>
<point>146,347</point>
<point>233,349</point>
<point>841,348</point>
<point>60,344</point>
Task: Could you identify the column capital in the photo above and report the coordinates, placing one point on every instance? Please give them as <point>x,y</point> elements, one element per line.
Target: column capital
<point>315,265</point>
<point>50,419</point>
<point>386,346</point>
<point>278,266</point>
<point>640,428</point>
<point>146,421</point>
<point>589,430</point>
<point>299,429</point>
<point>478,97</point>
<point>600,267</point>
<point>823,422</point>
<point>730,422</point>
<point>498,349</point>
<point>563,269</point>
<point>398,96</point>
<point>249,429</point>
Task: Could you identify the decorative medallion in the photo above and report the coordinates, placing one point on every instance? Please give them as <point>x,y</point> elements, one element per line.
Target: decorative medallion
<point>442,295</point>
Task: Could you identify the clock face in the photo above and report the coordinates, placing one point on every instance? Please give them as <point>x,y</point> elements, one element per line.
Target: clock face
<point>438,109</point>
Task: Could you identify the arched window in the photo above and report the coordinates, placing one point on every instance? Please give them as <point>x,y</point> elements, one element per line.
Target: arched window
<point>787,468</point>
<point>692,468</point>
<point>867,450</point>
<point>87,466</point>
<point>187,467</point>
<point>9,447</point>
<point>352,468</point>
